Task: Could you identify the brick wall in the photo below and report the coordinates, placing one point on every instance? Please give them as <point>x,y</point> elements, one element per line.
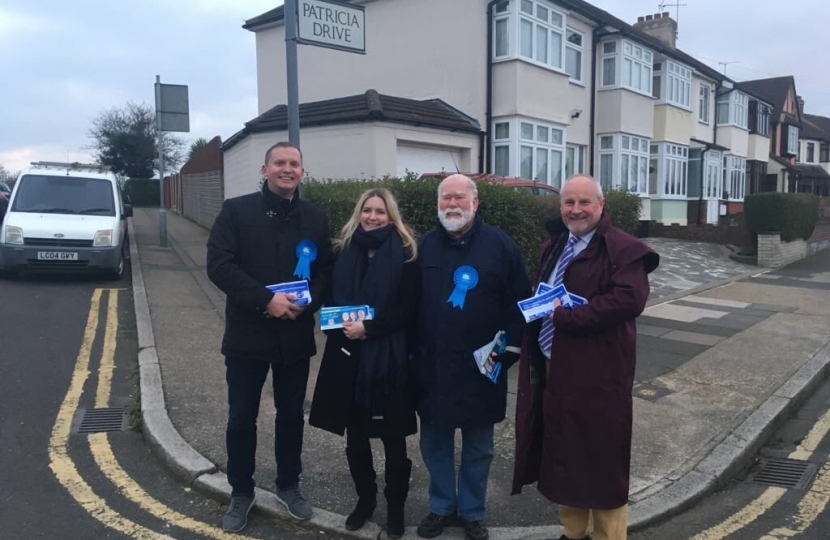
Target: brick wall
<point>731,230</point>
<point>773,253</point>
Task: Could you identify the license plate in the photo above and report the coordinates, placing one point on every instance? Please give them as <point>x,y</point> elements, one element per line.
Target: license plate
<point>57,256</point>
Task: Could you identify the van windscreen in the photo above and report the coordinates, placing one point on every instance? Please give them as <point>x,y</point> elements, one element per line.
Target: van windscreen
<point>64,195</point>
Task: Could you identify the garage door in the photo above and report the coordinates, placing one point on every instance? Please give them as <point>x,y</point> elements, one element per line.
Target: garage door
<point>427,159</point>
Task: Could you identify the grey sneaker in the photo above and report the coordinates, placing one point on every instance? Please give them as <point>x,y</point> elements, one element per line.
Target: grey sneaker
<point>294,502</point>
<point>237,515</point>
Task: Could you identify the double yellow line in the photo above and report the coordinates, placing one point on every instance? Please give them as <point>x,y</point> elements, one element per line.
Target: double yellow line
<point>64,467</point>
<point>809,507</point>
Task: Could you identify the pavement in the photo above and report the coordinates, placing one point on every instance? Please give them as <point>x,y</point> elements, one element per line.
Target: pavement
<point>725,353</point>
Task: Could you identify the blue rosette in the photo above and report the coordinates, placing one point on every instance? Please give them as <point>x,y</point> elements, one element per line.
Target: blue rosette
<point>465,278</point>
<point>306,252</point>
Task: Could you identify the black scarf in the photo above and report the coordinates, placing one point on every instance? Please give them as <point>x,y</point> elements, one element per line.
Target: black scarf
<point>358,280</point>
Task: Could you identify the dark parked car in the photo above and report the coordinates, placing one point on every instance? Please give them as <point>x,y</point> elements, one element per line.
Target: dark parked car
<point>5,192</point>
<point>519,184</point>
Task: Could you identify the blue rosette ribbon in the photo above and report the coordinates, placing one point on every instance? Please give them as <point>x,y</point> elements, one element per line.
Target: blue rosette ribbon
<point>306,252</point>
<point>465,278</point>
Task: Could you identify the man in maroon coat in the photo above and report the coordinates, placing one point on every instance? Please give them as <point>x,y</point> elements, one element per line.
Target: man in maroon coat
<point>574,410</point>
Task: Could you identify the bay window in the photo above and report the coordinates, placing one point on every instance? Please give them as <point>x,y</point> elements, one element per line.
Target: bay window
<point>759,118</point>
<point>733,109</point>
<point>672,170</point>
<point>673,84</point>
<point>628,65</point>
<point>529,149</point>
<point>623,161</point>
<point>574,160</point>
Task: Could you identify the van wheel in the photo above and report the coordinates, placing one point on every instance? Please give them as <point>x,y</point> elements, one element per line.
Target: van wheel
<point>118,272</point>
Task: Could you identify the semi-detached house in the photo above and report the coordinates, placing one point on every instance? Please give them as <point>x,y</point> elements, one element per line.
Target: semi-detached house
<point>537,89</point>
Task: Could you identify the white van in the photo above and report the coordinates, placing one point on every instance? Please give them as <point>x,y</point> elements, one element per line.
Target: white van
<point>65,217</point>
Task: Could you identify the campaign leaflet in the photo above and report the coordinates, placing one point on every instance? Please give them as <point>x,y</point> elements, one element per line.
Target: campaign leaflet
<point>298,288</point>
<point>334,317</point>
<point>485,363</point>
<point>541,304</point>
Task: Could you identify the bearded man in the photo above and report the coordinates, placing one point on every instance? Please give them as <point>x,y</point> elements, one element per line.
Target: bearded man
<point>472,278</point>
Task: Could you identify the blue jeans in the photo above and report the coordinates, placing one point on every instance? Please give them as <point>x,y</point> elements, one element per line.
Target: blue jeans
<point>438,452</point>
<point>245,378</point>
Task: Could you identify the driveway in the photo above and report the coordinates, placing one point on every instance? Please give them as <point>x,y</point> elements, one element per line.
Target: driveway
<point>685,265</point>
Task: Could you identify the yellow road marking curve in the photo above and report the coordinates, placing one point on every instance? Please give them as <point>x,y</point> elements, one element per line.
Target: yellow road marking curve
<point>59,461</point>
<point>101,449</point>
<point>809,508</point>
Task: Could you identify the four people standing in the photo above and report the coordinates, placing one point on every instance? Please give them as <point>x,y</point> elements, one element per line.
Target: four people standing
<point>435,303</point>
<point>363,387</point>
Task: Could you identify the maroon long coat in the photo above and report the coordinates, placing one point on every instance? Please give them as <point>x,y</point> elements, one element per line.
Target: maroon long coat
<point>574,413</point>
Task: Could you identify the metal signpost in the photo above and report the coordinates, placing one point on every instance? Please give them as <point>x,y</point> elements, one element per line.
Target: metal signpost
<point>172,114</point>
<point>324,23</point>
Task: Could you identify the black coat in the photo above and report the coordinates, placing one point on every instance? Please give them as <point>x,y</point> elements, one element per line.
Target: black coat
<point>452,391</point>
<point>334,393</point>
<point>252,244</point>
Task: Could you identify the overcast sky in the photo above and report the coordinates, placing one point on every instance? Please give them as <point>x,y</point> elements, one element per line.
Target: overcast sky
<point>61,63</point>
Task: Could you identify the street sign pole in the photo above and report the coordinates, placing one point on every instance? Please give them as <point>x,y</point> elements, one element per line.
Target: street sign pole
<point>162,211</point>
<point>291,71</point>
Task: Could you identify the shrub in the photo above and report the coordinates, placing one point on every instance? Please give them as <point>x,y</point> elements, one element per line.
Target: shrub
<point>520,215</point>
<point>794,215</point>
<point>624,209</point>
<point>142,192</point>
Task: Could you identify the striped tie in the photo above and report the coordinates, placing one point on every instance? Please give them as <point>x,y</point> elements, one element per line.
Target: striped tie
<point>546,333</point>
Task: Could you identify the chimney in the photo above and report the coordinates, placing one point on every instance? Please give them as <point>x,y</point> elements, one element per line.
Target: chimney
<point>660,25</point>
<point>800,101</point>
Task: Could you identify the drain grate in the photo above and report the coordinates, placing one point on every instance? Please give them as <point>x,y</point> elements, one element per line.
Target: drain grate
<point>786,473</point>
<point>650,392</point>
<point>101,420</point>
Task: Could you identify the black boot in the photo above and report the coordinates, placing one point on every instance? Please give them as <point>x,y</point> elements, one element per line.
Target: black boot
<point>363,473</point>
<point>396,490</point>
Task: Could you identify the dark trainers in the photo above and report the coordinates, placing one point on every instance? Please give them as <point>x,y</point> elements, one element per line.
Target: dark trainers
<point>475,530</point>
<point>237,515</point>
<point>563,537</point>
<point>294,502</point>
<point>433,524</point>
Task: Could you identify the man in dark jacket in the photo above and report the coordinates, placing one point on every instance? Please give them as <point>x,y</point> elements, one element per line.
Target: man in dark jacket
<point>265,238</point>
<point>573,425</point>
<point>472,275</point>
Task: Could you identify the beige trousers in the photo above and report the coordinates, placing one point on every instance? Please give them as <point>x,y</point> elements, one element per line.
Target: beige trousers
<point>605,524</point>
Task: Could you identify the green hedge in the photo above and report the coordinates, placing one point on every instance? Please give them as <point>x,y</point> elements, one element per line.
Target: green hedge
<point>519,214</point>
<point>794,215</point>
<point>142,192</point>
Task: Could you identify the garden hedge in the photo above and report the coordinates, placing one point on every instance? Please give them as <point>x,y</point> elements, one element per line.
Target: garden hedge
<point>794,215</point>
<point>142,192</point>
<point>521,215</point>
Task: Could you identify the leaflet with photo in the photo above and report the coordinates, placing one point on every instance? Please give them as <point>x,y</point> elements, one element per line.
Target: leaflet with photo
<point>334,317</point>
<point>298,288</point>
<point>542,304</point>
<point>483,359</point>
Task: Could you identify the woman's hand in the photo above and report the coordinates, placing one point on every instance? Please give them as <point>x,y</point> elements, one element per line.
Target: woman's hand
<point>354,330</point>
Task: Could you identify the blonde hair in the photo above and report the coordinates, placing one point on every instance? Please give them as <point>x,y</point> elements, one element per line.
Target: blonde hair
<point>409,243</point>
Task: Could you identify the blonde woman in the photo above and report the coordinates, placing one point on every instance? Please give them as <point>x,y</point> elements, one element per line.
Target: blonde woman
<point>363,387</point>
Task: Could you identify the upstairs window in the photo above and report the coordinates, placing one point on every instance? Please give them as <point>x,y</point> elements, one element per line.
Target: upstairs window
<point>673,84</point>
<point>792,140</point>
<point>703,103</point>
<point>541,33</point>
<point>573,55</point>
<point>733,109</point>
<point>824,153</point>
<point>811,152</point>
<point>628,65</point>
<point>759,118</point>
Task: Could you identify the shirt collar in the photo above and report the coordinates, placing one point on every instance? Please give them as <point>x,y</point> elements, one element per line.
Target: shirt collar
<point>585,238</point>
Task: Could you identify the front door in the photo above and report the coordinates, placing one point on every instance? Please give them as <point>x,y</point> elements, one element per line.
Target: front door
<point>712,188</point>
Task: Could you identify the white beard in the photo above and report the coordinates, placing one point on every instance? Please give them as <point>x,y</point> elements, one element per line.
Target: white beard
<point>455,224</point>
